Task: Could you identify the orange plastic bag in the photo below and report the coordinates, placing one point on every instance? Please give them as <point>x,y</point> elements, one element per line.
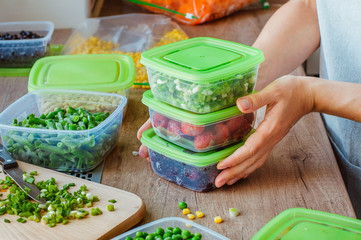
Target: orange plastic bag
<point>196,11</point>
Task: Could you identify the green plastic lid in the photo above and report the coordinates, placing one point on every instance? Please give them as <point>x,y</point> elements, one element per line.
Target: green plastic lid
<point>186,116</point>
<point>198,159</point>
<point>202,59</point>
<point>94,72</point>
<point>301,223</point>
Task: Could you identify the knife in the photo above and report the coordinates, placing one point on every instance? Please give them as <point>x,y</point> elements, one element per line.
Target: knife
<point>11,168</point>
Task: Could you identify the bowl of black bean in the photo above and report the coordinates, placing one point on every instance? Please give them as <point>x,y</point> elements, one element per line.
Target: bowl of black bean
<point>22,43</point>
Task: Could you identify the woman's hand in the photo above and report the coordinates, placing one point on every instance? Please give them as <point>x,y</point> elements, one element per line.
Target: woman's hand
<point>143,150</point>
<point>287,99</point>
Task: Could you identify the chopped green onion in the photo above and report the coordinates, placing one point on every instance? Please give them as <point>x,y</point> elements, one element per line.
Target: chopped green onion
<point>112,201</point>
<point>110,207</point>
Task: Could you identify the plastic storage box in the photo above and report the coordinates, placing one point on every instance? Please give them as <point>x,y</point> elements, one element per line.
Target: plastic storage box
<point>207,234</point>
<point>62,150</point>
<point>112,73</point>
<point>203,74</point>
<point>195,171</point>
<point>198,132</point>
<point>22,53</point>
<point>301,223</point>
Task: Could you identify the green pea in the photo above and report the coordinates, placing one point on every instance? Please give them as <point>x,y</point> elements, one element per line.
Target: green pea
<point>177,230</point>
<point>186,234</point>
<point>167,234</point>
<point>182,205</point>
<point>159,231</point>
<point>150,236</point>
<point>169,229</point>
<point>138,234</point>
<point>177,237</point>
<point>128,238</point>
<point>198,235</point>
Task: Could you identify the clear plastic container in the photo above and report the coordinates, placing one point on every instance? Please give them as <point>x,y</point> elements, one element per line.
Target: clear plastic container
<point>195,171</point>
<point>301,223</point>
<point>202,74</point>
<point>198,132</point>
<point>207,234</point>
<point>23,53</point>
<point>62,150</point>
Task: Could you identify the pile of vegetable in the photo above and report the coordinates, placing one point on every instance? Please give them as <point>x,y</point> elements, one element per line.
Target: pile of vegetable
<point>202,98</point>
<point>169,233</point>
<point>61,205</point>
<point>69,151</point>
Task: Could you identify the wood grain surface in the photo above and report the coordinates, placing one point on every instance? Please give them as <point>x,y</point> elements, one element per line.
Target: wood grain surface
<point>301,172</point>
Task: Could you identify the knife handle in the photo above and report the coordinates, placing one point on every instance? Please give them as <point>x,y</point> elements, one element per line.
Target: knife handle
<point>5,159</point>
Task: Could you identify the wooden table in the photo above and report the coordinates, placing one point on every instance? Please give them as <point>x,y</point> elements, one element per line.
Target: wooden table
<point>301,172</point>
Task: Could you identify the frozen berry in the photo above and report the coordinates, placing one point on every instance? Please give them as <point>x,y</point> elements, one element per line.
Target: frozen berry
<point>159,120</point>
<point>192,130</point>
<point>222,133</point>
<point>174,128</point>
<point>204,140</point>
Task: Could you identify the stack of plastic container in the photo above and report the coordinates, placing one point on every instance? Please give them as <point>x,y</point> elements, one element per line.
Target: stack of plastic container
<point>194,87</point>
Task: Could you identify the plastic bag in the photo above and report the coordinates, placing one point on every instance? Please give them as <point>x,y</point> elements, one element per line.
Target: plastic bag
<point>129,34</point>
<point>197,11</point>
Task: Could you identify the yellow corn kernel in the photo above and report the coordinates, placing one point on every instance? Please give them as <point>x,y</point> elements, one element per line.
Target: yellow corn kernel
<point>199,214</point>
<point>191,216</point>
<point>186,211</point>
<point>218,219</point>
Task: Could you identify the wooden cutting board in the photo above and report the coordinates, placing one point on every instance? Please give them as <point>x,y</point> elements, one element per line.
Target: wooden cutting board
<point>129,210</point>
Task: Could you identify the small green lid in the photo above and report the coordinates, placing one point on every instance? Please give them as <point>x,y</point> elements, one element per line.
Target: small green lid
<point>198,159</point>
<point>186,116</point>
<point>202,59</point>
<point>94,72</point>
<point>301,223</point>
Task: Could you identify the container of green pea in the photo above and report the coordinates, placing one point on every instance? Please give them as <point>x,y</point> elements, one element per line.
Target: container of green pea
<point>171,228</point>
<point>64,130</point>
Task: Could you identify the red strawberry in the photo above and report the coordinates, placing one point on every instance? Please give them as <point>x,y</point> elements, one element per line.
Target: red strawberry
<point>244,128</point>
<point>192,130</point>
<point>174,128</point>
<point>159,120</point>
<point>222,133</point>
<point>249,117</point>
<point>204,140</point>
<point>234,123</point>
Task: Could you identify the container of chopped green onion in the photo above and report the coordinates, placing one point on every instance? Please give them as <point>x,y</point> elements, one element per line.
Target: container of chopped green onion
<point>64,130</point>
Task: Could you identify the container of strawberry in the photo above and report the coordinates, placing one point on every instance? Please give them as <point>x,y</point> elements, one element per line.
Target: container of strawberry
<point>202,75</point>
<point>192,170</point>
<point>198,132</point>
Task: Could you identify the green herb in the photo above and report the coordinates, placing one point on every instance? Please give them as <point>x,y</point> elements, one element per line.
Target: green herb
<point>112,201</point>
<point>202,98</point>
<point>110,207</point>
<point>6,220</point>
<point>61,205</point>
<point>21,220</point>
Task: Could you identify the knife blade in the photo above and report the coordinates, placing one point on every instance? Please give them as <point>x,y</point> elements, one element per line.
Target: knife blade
<point>11,168</point>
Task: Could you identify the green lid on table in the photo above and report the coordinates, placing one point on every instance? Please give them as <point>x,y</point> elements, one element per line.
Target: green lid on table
<point>198,159</point>
<point>202,59</point>
<point>300,224</point>
<point>94,72</point>
<point>186,116</point>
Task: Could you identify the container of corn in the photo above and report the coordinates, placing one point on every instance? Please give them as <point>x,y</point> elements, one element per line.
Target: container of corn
<point>129,34</point>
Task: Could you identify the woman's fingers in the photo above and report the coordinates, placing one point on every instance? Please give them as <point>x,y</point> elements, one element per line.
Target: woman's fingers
<point>145,126</point>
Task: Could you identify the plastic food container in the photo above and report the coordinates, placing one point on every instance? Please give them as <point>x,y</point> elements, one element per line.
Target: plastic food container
<point>301,223</point>
<point>198,132</point>
<point>62,150</point>
<point>195,171</point>
<point>112,73</point>
<point>207,234</point>
<point>22,53</point>
<point>203,74</point>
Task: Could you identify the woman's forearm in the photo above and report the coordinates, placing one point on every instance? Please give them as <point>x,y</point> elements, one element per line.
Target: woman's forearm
<point>336,98</point>
<point>287,40</point>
